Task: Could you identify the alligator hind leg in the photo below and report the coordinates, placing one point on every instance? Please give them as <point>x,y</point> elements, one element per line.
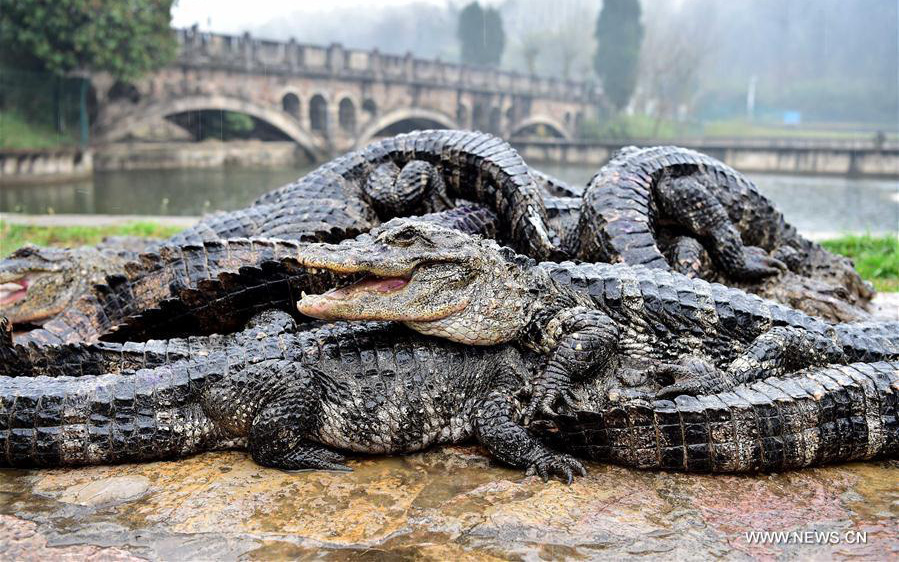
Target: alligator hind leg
<point>686,200</point>
<point>416,188</point>
<point>780,350</point>
<point>784,349</point>
<point>585,340</point>
<point>496,425</point>
<point>691,375</point>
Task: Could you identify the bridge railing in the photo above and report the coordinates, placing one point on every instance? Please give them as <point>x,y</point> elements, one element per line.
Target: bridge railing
<point>249,54</point>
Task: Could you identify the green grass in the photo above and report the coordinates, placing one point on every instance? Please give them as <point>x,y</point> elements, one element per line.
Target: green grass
<point>13,236</point>
<point>15,132</point>
<point>743,128</point>
<point>645,127</point>
<point>876,258</point>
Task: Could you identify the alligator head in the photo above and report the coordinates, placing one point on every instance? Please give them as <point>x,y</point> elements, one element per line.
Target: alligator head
<point>37,283</point>
<point>436,280</point>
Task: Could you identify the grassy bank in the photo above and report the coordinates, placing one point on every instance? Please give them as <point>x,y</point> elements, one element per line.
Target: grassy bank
<point>875,257</point>
<point>646,127</point>
<point>13,236</point>
<point>17,133</point>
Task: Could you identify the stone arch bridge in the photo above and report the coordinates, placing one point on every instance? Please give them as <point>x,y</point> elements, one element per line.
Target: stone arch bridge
<point>332,99</point>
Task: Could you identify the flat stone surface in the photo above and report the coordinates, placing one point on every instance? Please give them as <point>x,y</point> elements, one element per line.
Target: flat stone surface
<point>447,503</point>
<point>104,491</point>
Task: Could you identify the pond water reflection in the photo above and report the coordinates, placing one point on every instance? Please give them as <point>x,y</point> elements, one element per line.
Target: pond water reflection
<point>813,204</point>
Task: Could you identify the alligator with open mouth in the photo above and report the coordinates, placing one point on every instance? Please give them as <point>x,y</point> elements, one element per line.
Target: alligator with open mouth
<point>470,290</point>
<point>414,173</point>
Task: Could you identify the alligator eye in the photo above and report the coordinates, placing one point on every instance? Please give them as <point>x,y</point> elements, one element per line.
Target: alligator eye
<point>404,236</point>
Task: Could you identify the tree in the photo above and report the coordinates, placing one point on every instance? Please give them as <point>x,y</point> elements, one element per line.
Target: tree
<point>618,35</point>
<point>677,43</point>
<point>481,35</point>
<point>123,37</point>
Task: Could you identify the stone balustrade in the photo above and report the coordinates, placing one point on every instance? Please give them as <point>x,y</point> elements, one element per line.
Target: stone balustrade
<point>249,54</point>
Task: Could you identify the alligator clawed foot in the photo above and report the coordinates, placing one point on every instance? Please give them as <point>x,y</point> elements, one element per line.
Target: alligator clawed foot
<point>757,264</point>
<point>542,403</point>
<point>692,377</point>
<point>563,466</point>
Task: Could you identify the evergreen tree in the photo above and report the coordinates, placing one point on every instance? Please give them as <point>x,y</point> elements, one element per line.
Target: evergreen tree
<point>481,35</point>
<point>618,36</point>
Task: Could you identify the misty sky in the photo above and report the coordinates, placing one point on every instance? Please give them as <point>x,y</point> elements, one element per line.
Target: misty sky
<point>237,16</point>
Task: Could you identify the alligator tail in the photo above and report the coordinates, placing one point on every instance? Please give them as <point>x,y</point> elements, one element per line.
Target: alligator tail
<point>819,416</point>
<point>65,421</point>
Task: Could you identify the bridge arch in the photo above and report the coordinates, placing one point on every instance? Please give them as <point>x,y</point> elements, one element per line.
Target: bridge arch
<point>346,115</point>
<point>290,103</point>
<point>437,120</point>
<point>318,113</point>
<point>553,125</point>
<point>141,115</point>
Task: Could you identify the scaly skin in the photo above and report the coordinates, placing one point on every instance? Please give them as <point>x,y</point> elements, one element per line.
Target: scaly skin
<point>289,397</point>
<point>414,173</point>
<point>835,413</point>
<point>214,287</point>
<point>826,299</point>
<point>642,190</point>
<point>354,192</point>
<point>466,289</point>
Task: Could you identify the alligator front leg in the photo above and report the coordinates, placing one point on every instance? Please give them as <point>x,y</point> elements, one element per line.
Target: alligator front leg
<point>495,421</point>
<point>279,432</point>
<point>688,202</point>
<point>585,340</point>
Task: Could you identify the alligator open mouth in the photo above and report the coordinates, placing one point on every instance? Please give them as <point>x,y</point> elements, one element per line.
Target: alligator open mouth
<point>319,306</point>
<point>13,291</point>
<point>369,284</point>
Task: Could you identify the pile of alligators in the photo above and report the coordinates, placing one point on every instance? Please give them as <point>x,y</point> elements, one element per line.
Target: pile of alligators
<point>433,288</point>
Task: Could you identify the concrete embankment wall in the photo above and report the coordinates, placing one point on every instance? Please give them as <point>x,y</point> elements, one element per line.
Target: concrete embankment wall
<point>43,166</point>
<point>814,158</point>
<point>207,154</point>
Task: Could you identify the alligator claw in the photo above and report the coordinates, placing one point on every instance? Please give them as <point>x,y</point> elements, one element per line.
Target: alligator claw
<point>563,466</point>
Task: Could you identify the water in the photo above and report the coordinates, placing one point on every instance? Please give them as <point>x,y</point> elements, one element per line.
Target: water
<point>813,204</point>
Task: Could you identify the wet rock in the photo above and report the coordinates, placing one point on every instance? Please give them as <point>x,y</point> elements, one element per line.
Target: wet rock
<point>116,489</point>
<point>453,503</point>
<point>20,540</point>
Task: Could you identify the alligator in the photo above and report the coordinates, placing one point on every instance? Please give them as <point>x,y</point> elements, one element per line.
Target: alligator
<point>39,283</point>
<point>688,256</point>
<point>835,413</point>
<point>470,290</point>
<point>414,173</point>
<point>642,190</point>
<point>290,397</point>
<point>207,288</point>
